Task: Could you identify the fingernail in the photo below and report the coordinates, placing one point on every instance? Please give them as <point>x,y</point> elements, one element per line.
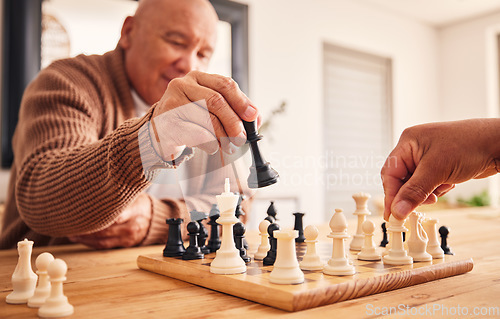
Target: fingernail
<point>401,209</point>
<point>249,112</point>
<point>240,139</point>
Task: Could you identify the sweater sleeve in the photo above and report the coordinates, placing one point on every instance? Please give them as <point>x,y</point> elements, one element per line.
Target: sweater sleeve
<point>71,180</point>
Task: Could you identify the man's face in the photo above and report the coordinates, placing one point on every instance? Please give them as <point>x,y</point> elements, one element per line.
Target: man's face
<point>167,40</point>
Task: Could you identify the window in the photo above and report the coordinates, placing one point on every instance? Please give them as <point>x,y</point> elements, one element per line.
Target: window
<point>357,124</point>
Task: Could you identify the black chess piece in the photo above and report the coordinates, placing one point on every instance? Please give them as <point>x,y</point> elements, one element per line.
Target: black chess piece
<point>193,251</point>
<point>239,235</point>
<point>273,242</point>
<point>299,225</point>
<point>270,219</point>
<point>261,172</point>
<point>444,231</point>
<point>271,211</point>
<point>202,237</point>
<point>214,241</point>
<point>384,241</point>
<point>174,246</point>
<point>238,211</point>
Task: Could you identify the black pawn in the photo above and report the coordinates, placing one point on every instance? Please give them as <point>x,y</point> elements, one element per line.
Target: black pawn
<point>299,225</point>
<point>271,211</point>
<point>193,251</point>
<point>261,172</point>
<point>239,236</point>
<point>214,241</point>
<point>444,231</point>
<point>202,237</point>
<point>174,246</point>
<point>273,242</point>
<point>384,241</point>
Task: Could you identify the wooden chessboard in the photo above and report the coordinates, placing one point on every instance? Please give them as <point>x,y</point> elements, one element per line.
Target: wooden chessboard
<point>317,290</point>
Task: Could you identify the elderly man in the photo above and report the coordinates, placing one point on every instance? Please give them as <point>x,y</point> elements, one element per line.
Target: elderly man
<point>94,131</point>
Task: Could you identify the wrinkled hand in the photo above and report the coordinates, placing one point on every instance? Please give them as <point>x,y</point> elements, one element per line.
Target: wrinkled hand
<point>201,110</point>
<point>129,229</point>
<point>430,159</point>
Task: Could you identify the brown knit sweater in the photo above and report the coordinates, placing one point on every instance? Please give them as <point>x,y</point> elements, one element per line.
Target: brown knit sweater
<point>77,161</point>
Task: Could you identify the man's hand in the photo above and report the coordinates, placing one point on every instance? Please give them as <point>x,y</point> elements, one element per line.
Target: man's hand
<point>201,110</point>
<point>129,229</point>
<point>430,159</point>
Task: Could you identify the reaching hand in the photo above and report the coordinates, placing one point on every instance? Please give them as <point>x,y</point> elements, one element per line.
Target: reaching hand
<point>201,110</point>
<point>430,159</point>
<point>129,229</point>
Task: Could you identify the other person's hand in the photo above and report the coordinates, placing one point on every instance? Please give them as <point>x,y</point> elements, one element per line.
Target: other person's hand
<point>430,159</point>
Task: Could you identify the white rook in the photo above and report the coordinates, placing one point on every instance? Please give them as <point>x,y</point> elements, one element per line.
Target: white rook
<point>286,267</point>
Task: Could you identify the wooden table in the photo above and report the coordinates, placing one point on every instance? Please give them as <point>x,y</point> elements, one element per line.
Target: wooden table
<point>108,284</point>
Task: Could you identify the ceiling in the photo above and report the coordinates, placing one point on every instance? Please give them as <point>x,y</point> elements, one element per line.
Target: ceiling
<point>438,13</point>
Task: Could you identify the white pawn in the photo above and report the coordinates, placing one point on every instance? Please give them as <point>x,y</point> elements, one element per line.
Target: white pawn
<point>368,251</point>
<point>57,304</point>
<point>264,242</point>
<point>338,265</point>
<point>23,278</point>
<point>362,211</point>
<point>311,259</point>
<point>286,269</point>
<point>397,254</point>
<point>433,247</point>
<point>417,239</point>
<point>42,291</point>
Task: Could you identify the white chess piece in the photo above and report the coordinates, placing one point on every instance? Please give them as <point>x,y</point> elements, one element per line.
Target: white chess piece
<point>338,265</point>
<point>23,278</point>
<point>361,211</point>
<point>417,239</point>
<point>433,246</point>
<point>42,291</point>
<point>286,268</point>
<point>397,255</point>
<point>264,242</point>
<point>311,259</point>
<point>368,251</point>
<point>57,304</point>
<point>227,258</point>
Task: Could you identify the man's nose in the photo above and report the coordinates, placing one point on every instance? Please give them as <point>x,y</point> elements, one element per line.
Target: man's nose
<point>187,62</point>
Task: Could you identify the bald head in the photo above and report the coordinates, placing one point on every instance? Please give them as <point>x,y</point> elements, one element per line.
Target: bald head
<point>166,39</point>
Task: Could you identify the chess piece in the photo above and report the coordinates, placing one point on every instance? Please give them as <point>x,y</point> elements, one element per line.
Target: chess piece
<point>368,251</point>
<point>299,226</point>
<point>214,241</point>
<point>384,241</point>
<point>417,239</point>
<point>270,219</point>
<point>227,259</point>
<point>57,304</point>
<point>396,255</point>
<point>338,264</point>
<point>261,172</point>
<point>311,259</point>
<point>271,254</point>
<point>264,242</point>
<point>362,211</point>
<point>239,233</point>
<point>23,278</point>
<point>42,291</point>
<point>239,212</point>
<point>202,237</point>
<point>286,267</point>
<point>271,211</point>
<point>193,251</point>
<point>174,246</point>
<point>433,248</point>
<point>444,231</point>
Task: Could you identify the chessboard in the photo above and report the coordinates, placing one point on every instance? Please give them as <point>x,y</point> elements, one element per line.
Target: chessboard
<point>371,277</point>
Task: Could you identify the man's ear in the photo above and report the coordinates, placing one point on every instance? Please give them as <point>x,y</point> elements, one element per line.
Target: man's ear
<point>125,38</point>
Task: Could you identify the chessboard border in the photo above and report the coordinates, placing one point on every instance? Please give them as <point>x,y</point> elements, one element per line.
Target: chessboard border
<point>287,299</point>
